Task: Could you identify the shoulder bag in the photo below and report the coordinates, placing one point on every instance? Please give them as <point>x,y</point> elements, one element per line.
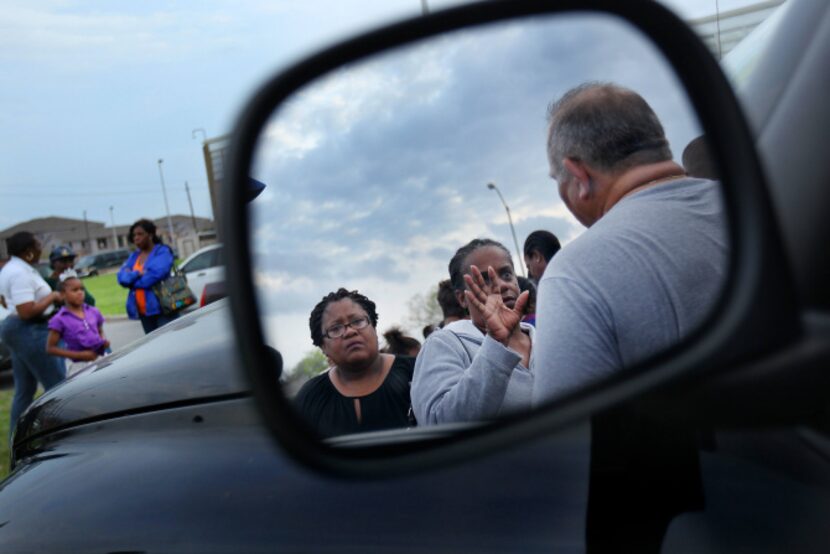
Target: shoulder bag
<point>173,293</point>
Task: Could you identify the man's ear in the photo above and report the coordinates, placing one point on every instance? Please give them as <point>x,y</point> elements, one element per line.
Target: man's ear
<point>461,298</point>
<point>580,172</point>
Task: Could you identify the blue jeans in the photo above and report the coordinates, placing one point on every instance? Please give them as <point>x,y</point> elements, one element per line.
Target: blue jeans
<point>152,322</point>
<point>30,363</point>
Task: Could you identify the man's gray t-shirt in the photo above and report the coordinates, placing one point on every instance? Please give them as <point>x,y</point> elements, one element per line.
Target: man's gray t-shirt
<point>638,281</point>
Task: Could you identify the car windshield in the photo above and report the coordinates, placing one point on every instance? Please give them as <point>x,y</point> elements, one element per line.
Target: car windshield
<point>86,261</point>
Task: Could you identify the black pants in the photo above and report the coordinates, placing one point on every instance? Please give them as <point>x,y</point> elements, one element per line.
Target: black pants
<point>152,322</point>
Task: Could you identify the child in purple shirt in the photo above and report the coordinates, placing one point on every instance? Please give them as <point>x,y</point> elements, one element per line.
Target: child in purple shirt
<point>80,325</point>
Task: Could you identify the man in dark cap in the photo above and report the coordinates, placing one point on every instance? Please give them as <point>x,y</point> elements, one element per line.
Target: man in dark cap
<point>61,259</point>
<point>540,246</point>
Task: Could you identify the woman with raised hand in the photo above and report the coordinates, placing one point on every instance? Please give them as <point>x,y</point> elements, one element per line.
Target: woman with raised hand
<point>364,389</point>
<point>477,369</point>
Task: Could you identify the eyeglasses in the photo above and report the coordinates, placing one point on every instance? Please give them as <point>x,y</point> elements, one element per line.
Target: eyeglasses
<point>337,331</point>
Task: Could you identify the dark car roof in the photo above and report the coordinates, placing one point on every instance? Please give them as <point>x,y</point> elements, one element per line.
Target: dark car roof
<point>191,360</point>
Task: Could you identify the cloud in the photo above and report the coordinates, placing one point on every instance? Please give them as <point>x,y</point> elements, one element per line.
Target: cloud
<point>336,103</point>
<point>96,38</point>
<point>389,178</point>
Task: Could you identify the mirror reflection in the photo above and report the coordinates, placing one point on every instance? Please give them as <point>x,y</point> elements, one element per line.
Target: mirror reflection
<point>482,222</point>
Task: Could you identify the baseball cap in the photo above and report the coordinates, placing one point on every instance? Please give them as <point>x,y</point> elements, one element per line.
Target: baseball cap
<point>60,252</point>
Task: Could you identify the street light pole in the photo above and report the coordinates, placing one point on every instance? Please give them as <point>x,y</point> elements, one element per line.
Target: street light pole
<point>492,186</point>
<point>88,240</point>
<point>114,233</point>
<point>166,205</point>
<point>192,215</point>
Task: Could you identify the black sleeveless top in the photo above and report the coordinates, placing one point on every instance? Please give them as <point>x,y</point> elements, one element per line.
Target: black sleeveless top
<point>332,414</point>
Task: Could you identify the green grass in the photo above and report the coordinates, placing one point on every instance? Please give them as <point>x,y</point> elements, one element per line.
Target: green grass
<point>110,297</point>
<point>5,409</point>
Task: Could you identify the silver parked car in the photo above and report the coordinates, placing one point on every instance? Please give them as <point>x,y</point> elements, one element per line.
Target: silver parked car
<point>205,268</point>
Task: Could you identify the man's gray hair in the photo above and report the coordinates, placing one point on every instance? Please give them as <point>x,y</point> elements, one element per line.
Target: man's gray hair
<point>608,127</point>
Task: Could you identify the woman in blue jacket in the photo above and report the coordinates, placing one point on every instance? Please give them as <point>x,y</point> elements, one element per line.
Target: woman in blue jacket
<point>149,264</point>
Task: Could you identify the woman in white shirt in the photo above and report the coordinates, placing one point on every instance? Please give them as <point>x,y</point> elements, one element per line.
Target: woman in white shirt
<point>31,301</point>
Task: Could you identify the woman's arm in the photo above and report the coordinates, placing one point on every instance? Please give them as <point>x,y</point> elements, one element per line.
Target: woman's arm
<point>156,268</point>
<point>127,278</point>
<point>31,310</point>
<point>53,349</point>
<point>126,275</point>
<point>101,332</point>
<point>448,387</point>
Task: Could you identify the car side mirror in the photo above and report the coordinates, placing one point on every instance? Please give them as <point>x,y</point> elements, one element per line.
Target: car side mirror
<point>381,157</point>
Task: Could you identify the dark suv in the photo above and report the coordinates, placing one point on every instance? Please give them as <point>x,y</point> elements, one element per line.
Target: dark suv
<point>93,264</point>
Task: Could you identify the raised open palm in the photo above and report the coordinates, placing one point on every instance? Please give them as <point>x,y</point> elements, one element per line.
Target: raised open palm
<point>485,299</point>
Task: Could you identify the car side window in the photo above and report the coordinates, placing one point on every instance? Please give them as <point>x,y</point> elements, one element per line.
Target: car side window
<point>202,261</point>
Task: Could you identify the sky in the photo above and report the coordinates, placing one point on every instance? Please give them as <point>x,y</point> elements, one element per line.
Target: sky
<point>378,173</point>
<point>94,93</point>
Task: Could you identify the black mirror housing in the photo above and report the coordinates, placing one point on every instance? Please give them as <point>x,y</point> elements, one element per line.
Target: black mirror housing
<point>739,328</point>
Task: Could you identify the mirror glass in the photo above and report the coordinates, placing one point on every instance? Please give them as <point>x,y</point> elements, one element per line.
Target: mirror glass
<point>379,172</point>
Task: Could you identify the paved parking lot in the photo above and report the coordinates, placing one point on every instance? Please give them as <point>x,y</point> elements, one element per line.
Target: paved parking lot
<point>122,331</point>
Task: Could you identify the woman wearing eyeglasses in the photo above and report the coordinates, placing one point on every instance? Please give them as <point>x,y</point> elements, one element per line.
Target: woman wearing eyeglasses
<point>364,390</point>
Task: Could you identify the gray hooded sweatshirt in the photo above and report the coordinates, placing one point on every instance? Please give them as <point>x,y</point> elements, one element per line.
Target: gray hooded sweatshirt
<point>463,375</point>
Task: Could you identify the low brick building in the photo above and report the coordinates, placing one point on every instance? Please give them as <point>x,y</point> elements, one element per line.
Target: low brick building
<point>89,237</point>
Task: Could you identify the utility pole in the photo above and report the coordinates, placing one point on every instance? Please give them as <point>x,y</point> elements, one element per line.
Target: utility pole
<point>192,215</point>
<point>114,233</point>
<point>166,205</point>
<point>86,228</point>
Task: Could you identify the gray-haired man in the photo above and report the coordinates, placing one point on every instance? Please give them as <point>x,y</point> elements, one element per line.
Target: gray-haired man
<point>651,264</point>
